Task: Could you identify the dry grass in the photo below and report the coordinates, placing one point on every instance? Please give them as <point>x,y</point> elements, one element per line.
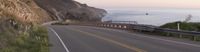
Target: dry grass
<point>25,10</point>
<point>23,36</point>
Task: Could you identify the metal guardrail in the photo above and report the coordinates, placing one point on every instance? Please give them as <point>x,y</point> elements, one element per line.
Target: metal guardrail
<point>114,25</point>
<point>148,28</point>
<point>179,32</point>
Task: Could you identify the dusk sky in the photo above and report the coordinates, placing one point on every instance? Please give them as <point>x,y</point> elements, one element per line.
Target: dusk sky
<point>143,3</point>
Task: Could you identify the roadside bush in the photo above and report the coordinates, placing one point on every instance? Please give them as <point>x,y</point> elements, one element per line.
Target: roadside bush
<point>183,26</point>
<point>34,39</point>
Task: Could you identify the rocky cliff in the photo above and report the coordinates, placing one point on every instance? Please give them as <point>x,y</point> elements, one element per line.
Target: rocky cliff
<point>46,10</point>
<point>23,10</point>
<point>69,9</point>
<point>40,11</point>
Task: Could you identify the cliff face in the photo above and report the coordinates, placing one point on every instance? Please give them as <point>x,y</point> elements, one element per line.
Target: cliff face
<point>45,10</point>
<point>24,10</point>
<point>22,13</point>
<point>69,9</point>
<point>40,11</point>
<point>16,20</point>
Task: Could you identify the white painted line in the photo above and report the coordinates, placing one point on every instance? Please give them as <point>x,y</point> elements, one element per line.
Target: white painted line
<point>66,49</point>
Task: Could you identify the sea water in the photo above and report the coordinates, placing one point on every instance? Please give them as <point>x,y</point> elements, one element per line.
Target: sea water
<point>155,16</point>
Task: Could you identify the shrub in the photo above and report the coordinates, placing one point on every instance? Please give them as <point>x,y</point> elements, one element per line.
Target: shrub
<point>34,39</point>
<point>183,26</point>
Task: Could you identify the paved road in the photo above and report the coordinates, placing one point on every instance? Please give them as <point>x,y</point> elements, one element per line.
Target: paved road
<point>94,39</point>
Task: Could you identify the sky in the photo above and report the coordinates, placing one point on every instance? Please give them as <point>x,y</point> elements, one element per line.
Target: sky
<point>143,3</point>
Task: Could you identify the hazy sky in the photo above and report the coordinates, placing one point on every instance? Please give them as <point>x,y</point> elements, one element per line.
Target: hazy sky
<point>143,3</point>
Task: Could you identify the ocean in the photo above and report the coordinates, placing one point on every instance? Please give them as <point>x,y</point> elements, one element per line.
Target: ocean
<point>155,16</point>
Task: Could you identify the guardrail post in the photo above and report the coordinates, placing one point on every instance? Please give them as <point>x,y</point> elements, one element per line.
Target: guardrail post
<point>120,26</point>
<point>180,36</point>
<point>194,38</point>
<point>125,27</point>
<point>115,26</point>
<point>168,34</point>
<point>111,25</point>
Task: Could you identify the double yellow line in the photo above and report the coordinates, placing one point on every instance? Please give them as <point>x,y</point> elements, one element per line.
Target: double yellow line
<point>112,41</point>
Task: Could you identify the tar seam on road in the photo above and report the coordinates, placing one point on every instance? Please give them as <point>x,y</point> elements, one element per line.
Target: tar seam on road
<point>66,49</point>
<point>112,41</point>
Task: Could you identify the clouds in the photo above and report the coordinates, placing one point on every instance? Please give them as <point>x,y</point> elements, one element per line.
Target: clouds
<point>143,3</point>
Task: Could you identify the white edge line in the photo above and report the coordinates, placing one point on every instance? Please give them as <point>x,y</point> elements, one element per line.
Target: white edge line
<point>66,49</point>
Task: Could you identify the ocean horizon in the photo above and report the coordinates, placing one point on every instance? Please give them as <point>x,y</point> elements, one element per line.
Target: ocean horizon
<point>156,16</point>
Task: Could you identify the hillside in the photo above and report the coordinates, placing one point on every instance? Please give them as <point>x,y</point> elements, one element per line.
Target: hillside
<point>19,29</point>
<point>69,9</point>
<point>40,11</point>
<point>24,10</point>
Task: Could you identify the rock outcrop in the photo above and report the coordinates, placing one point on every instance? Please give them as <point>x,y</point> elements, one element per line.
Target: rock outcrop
<point>39,11</point>
<point>69,9</point>
<point>24,10</point>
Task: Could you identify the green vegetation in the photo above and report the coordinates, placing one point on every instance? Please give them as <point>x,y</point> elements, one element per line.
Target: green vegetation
<point>21,37</point>
<point>34,39</point>
<point>19,29</point>
<point>183,26</point>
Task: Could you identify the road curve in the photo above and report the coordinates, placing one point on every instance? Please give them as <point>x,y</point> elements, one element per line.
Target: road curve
<point>94,39</point>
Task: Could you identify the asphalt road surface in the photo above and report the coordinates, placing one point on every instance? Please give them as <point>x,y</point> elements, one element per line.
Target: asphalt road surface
<point>95,39</point>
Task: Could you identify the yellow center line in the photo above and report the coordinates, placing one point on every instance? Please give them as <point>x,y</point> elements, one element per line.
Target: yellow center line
<point>112,41</point>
